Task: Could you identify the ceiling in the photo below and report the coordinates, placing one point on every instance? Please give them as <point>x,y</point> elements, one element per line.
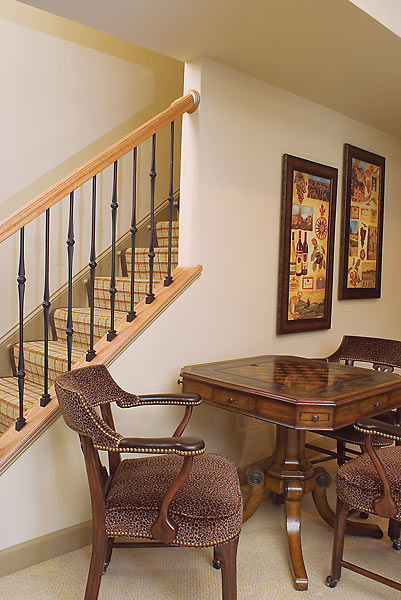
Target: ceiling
<point>330,52</point>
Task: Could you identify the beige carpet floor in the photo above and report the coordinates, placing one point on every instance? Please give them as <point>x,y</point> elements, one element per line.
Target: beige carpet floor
<point>183,574</point>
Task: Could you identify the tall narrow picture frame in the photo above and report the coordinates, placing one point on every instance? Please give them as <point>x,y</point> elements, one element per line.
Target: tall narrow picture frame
<point>362,224</point>
<point>308,209</point>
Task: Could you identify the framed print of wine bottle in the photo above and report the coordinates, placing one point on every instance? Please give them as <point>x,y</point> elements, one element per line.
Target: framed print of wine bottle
<point>362,225</point>
<point>309,194</point>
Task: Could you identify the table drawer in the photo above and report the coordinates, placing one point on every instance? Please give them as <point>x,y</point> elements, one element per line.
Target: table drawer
<point>312,418</point>
<point>234,400</point>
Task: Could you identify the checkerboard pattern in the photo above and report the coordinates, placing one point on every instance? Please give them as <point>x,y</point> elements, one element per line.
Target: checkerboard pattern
<point>34,351</point>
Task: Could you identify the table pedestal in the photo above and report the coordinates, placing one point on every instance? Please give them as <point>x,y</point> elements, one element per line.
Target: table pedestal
<point>288,475</point>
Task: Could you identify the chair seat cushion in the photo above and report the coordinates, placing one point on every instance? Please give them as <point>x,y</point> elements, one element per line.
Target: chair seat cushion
<point>359,484</point>
<point>207,508</point>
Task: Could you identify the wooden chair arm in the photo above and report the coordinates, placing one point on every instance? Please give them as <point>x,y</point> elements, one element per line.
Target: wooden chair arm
<point>187,446</point>
<point>164,529</point>
<point>159,399</point>
<point>376,427</point>
<point>385,506</point>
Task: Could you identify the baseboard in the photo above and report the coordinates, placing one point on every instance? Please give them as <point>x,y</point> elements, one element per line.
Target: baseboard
<point>45,547</point>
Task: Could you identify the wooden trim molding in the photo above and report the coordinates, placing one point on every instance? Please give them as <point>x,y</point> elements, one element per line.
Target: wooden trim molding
<point>47,546</point>
<point>14,443</point>
<point>188,103</point>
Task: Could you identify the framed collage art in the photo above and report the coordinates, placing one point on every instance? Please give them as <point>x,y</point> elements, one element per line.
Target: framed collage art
<point>309,193</point>
<point>362,224</point>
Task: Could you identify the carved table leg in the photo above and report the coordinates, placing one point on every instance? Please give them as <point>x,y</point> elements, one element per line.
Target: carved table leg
<point>319,493</point>
<point>289,472</point>
<point>256,479</point>
<point>293,497</point>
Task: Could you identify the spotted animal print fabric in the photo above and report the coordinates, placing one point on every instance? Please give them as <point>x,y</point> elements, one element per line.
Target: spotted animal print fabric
<point>80,391</point>
<point>207,509</point>
<point>359,484</point>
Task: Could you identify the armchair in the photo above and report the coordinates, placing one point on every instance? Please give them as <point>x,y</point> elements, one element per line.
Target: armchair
<point>372,483</point>
<point>180,497</point>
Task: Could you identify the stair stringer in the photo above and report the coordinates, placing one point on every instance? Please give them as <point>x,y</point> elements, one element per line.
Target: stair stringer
<point>13,444</point>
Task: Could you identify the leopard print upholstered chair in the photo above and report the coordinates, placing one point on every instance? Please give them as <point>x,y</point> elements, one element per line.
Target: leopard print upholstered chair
<point>176,495</point>
<point>370,483</point>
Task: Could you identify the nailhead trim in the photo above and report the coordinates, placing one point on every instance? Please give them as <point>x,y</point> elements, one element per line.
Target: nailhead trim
<point>368,510</point>
<point>184,402</point>
<point>152,450</point>
<point>174,543</point>
<point>379,433</point>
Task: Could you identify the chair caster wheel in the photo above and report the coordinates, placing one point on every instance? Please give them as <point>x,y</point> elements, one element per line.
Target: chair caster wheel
<point>397,544</point>
<point>105,565</point>
<point>363,515</point>
<point>330,582</point>
<point>216,564</point>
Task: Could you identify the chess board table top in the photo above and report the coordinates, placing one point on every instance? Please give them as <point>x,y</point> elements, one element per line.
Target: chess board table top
<point>295,378</point>
<point>281,388</point>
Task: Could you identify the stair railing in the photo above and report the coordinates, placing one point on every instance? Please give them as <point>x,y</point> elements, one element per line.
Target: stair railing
<point>69,186</point>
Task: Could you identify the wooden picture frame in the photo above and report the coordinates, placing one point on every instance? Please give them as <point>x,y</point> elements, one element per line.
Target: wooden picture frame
<point>309,194</point>
<point>362,224</point>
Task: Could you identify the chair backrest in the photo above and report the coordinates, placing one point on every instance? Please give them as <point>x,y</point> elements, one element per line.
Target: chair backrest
<point>384,355</point>
<point>79,392</point>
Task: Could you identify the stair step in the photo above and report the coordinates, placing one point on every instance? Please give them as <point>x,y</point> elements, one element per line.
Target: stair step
<point>81,324</point>
<point>142,262</point>
<point>9,405</point>
<point>34,359</point>
<point>162,233</point>
<point>123,295</point>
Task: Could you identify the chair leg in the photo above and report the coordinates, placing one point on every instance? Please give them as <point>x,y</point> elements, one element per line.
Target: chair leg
<point>226,554</point>
<point>99,546</point>
<point>394,527</point>
<point>338,546</point>
<point>109,550</point>
<point>340,453</point>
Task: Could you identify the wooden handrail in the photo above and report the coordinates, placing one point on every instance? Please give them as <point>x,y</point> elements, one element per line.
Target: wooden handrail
<point>188,103</point>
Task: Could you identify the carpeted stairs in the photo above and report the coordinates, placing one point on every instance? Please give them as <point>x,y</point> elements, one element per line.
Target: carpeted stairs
<point>33,351</point>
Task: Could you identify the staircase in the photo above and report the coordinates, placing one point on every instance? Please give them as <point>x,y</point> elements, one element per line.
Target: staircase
<point>57,355</point>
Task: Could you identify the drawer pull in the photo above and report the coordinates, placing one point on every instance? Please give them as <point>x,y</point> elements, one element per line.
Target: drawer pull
<point>315,418</point>
<point>376,404</point>
<point>230,400</point>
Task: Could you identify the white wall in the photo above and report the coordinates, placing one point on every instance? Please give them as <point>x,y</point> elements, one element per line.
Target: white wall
<point>68,92</point>
<point>230,218</point>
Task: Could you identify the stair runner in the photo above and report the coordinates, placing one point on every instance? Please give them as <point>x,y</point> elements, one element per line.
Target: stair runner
<point>34,352</point>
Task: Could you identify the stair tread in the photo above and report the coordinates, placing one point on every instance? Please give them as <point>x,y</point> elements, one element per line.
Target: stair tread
<point>9,394</point>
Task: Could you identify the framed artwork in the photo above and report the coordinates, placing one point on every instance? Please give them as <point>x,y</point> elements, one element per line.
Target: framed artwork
<point>362,224</point>
<point>309,194</point>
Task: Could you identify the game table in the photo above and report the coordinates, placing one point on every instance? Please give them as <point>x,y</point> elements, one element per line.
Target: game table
<point>297,395</point>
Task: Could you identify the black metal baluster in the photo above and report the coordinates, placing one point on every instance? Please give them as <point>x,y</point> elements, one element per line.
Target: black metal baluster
<point>111,334</point>
<point>132,314</point>
<point>21,279</point>
<point>150,296</point>
<point>91,353</point>
<point>45,398</point>
<point>70,253</point>
<point>168,279</point>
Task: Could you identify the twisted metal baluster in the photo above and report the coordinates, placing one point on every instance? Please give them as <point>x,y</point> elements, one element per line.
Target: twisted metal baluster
<point>91,353</point>
<point>21,279</point>
<point>111,334</point>
<point>70,253</point>
<point>45,398</point>
<point>132,314</point>
<point>168,279</point>
<point>150,296</point>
